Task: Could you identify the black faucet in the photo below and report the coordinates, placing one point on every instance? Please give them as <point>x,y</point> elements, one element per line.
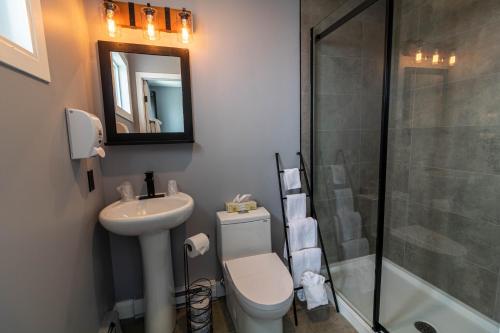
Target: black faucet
<point>150,184</point>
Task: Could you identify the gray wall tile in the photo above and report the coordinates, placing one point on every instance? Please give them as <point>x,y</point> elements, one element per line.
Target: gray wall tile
<point>331,143</point>
<point>467,194</point>
<point>340,111</point>
<point>463,103</point>
<point>464,148</point>
<point>338,75</point>
<point>478,237</point>
<point>456,276</point>
<point>496,315</point>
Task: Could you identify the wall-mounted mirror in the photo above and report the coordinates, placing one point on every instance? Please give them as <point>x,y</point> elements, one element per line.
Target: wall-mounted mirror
<point>146,92</point>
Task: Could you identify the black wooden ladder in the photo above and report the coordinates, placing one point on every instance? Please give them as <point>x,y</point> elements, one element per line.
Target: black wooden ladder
<point>302,170</point>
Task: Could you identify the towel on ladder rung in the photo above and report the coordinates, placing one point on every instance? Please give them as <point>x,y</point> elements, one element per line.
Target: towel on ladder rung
<point>291,178</point>
<point>296,206</point>
<point>302,234</point>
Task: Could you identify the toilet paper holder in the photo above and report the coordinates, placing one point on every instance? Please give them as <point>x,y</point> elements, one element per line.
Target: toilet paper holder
<point>198,300</point>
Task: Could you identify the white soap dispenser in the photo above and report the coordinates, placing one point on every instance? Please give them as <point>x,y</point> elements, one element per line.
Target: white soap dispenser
<point>85,134</point>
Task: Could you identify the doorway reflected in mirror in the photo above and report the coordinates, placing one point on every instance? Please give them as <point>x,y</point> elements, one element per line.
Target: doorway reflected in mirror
<point>147,92</point>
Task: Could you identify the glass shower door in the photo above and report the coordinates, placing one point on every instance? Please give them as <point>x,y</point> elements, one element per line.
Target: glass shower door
<point>348,80</point>
<point>442,239</point>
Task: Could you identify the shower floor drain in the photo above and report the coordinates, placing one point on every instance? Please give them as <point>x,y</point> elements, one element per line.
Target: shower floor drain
<point>424,327</point>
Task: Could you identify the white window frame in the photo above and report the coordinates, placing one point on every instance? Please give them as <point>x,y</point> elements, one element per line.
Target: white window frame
<point>118,92</point>
<point>36,63</point>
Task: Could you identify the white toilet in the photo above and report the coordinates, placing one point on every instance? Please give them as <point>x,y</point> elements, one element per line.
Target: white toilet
<point>259,288</point>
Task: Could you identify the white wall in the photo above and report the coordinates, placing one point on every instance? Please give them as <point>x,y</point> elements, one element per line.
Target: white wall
<point>245,91</point>
<point>54,257</point>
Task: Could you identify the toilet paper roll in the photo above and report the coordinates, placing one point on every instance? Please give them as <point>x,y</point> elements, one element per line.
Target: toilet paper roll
<point>197,245</point>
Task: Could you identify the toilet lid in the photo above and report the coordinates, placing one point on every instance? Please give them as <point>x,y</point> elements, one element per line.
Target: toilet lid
<point>262,280</point>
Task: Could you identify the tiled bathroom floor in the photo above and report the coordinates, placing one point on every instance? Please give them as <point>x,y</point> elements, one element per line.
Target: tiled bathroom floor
<point>315,321</point>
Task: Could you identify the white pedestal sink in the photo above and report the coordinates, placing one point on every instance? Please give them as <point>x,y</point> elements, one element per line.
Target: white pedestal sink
<point>151,220</point>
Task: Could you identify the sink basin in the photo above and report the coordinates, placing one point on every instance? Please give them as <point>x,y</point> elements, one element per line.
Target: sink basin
<point>134,218</point>
<point>151,220</point>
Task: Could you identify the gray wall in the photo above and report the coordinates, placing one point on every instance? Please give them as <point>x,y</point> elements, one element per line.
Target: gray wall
<point>54,257</point>
<point>245,89</point>
<point>444,148</point>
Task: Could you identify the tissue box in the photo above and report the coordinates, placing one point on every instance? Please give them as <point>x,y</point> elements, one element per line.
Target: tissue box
<point>234,207</point>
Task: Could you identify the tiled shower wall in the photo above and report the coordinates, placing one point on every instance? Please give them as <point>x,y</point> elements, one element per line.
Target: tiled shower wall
<point>443,220</point>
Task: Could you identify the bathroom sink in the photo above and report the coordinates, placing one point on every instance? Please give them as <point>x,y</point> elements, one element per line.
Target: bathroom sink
<point>151,220</point>
<point>134,218</point>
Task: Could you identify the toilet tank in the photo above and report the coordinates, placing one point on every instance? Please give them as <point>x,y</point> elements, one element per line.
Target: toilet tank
<point>243,234</point>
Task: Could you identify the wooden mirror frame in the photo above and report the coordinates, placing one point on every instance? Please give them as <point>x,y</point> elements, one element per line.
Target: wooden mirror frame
<point>112,137</point>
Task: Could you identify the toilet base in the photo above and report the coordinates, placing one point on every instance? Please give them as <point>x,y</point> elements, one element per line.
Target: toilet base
<point>243,322</point>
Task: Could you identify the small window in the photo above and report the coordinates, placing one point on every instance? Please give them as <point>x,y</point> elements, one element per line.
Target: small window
<point>121,84</point>
<point>15,24</point>
<point>22,39</point>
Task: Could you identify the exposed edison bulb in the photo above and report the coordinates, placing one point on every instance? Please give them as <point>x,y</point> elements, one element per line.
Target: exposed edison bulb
<point>453,59</point>
<point>112,31</point>
<point>150,30</point>
<point>184,32</point>
<point>418,56</point>
<point>112,28</point>
<point>435,58</point>
<point>149,23</point>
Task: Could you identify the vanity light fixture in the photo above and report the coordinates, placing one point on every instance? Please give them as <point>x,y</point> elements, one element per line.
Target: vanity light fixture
<point>149,23</point>
<point>152,20</point>
<point>110,10</point>
<point>185,26</point>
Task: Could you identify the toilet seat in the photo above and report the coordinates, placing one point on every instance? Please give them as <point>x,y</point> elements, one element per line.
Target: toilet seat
<point>262,284</point>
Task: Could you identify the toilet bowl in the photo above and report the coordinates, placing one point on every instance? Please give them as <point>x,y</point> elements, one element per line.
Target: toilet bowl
<point>259,288</point>
<point>259,292</point>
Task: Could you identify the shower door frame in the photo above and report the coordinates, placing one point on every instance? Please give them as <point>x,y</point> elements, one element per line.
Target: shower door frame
<point>384,130</point>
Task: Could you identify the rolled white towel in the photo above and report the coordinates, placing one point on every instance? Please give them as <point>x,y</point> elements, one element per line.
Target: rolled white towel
<point>314,290</point>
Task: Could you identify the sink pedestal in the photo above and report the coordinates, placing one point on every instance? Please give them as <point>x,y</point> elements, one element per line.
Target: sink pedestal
<point>159,290</point>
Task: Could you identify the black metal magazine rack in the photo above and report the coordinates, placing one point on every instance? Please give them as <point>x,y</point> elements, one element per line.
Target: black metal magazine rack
<point>313,215</point>
<point>198,301</point>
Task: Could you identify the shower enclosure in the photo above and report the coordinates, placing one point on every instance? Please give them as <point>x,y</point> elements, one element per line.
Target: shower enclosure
<point>405,161</point>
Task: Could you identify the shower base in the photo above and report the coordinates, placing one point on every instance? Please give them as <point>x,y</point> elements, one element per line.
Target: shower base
<point>405,299</point>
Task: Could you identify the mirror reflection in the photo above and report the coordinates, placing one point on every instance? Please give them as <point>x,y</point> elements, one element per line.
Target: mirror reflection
<point>147,91</point>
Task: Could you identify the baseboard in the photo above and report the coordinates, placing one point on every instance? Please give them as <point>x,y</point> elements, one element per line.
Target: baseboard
<point>134,308</point>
